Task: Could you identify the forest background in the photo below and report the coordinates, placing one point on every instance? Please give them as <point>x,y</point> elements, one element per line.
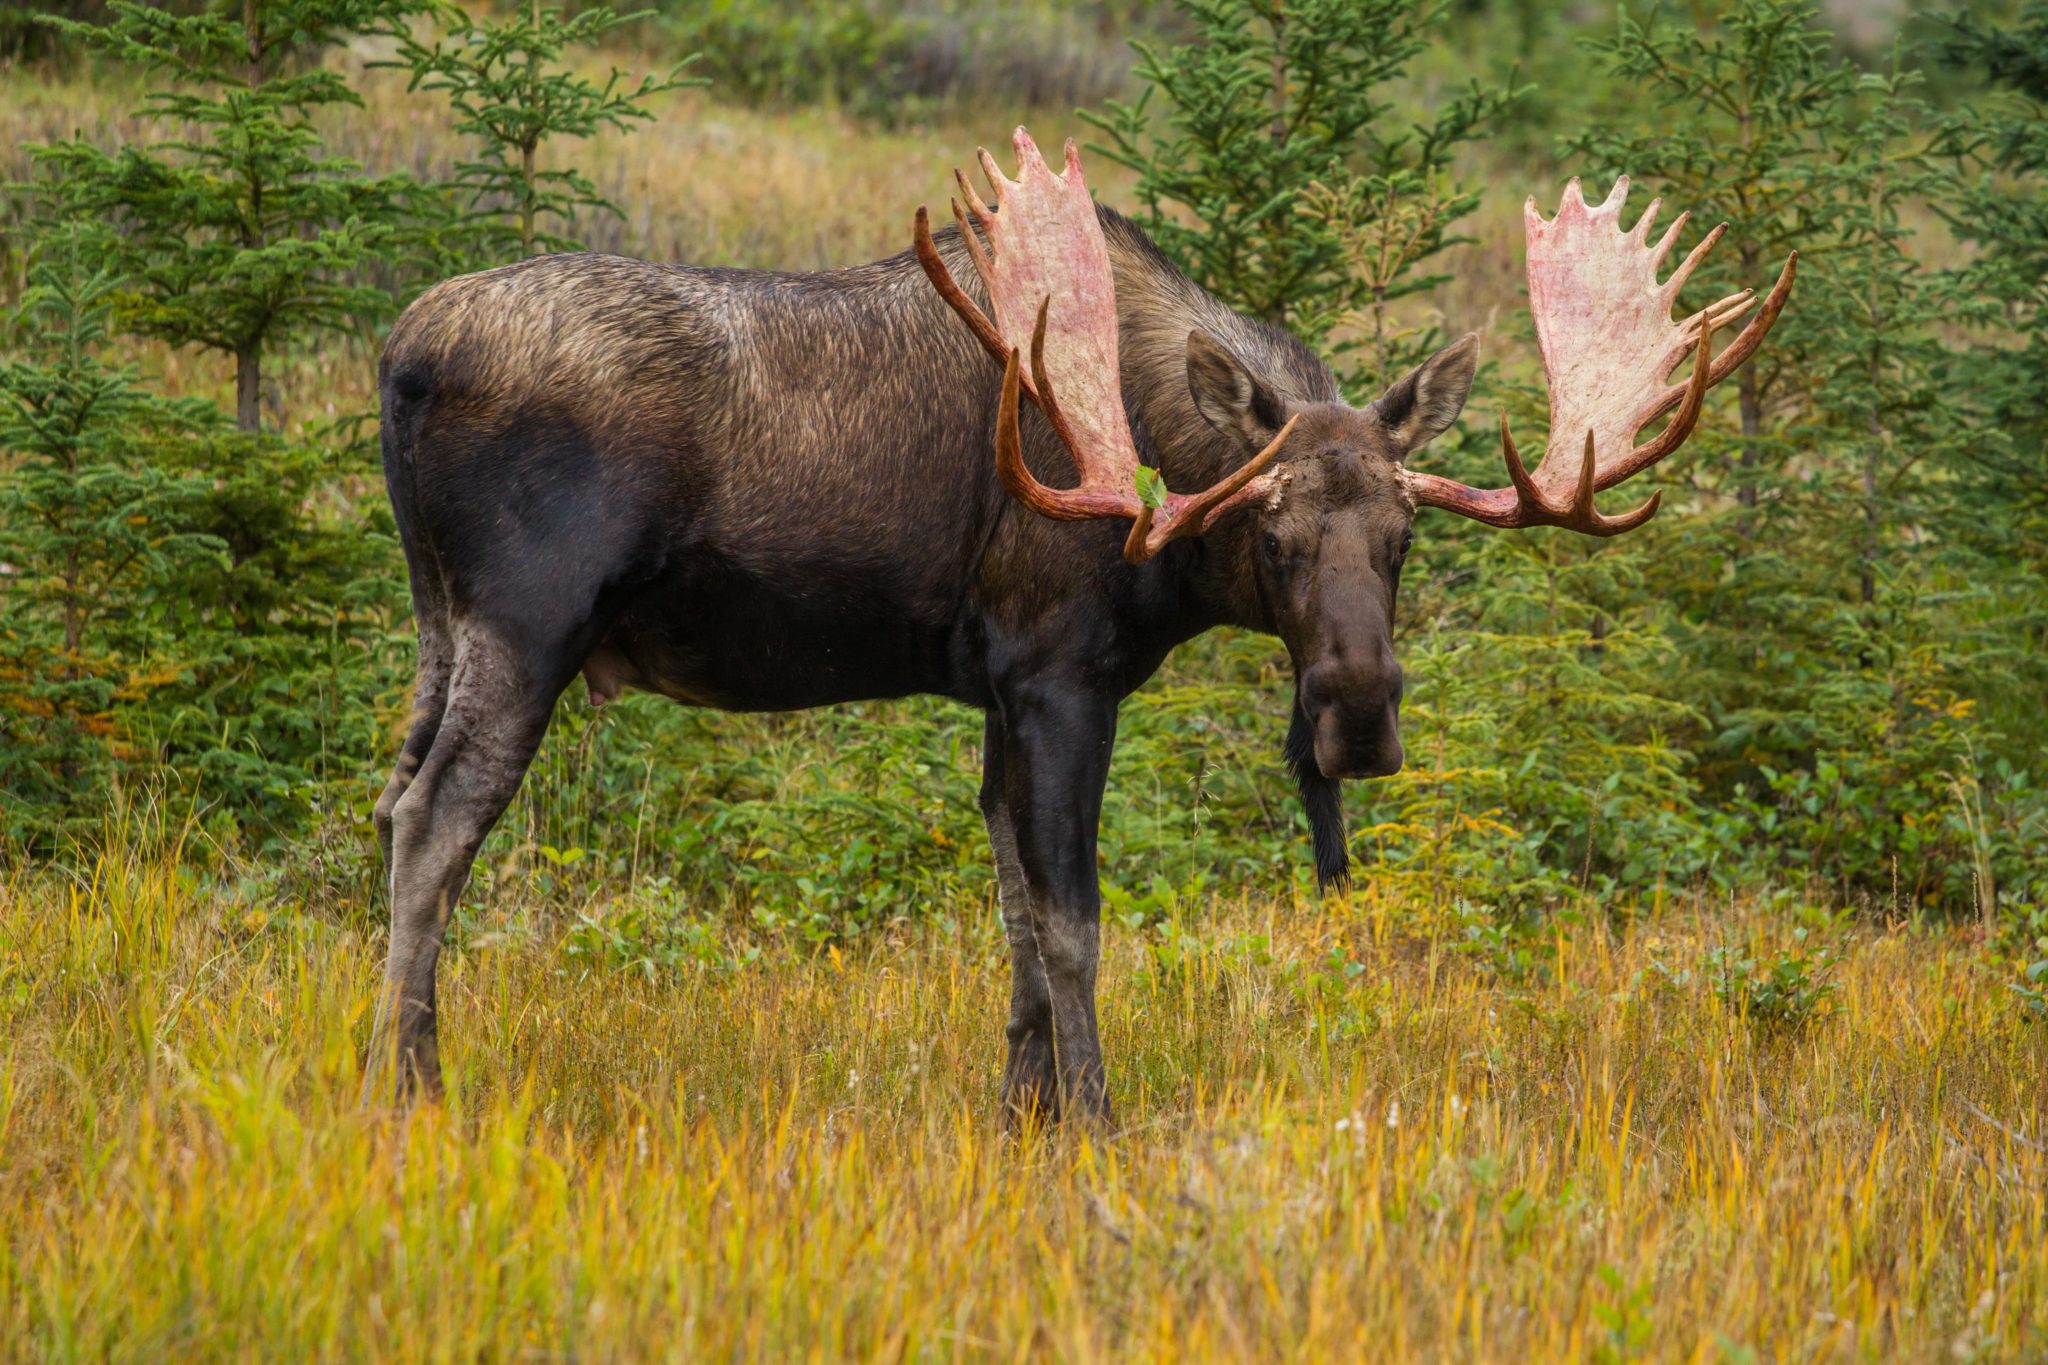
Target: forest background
<point>1822,666</point>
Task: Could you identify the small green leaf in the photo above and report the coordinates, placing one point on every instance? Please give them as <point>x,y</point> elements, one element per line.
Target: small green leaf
<point>1151,488</point>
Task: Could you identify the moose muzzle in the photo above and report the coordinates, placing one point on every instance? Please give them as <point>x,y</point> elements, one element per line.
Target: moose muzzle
<point>1353,703</point>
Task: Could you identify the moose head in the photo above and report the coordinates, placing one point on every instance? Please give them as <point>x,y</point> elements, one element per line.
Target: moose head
<point>1327,486</point>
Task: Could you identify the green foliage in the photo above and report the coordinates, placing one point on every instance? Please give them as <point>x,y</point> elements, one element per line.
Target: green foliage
<point>198,604</point>
<point>1846,635</point>
<point>2000,292</point>
<point>1787,990</point>
<point>510,91</point>
<point>286,636</point>
<point>1275,109</point>
<point>1625,1317</point>
<point>1151,487</point>
<point>1820,666</point>
<point>1538,736</point>
<point>853,54</point>
<point>649,932</point>
<point>2032,989</point>
<point>178,610</point>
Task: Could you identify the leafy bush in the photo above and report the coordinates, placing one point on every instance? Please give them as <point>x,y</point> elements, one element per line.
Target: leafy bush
<point>2032,989</point>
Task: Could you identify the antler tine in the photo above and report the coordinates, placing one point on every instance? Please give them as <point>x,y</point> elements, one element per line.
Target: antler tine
<point>1692,262</point>
<point>1525,488</point>
<point>1745,344</point>
<point>949,289</point>
<point>984,268</point>
<point>1016,476</point>
<point>1692,398</point>
<point>1668,240</point>
<point>1211,504</point>
<point>1746,341</point>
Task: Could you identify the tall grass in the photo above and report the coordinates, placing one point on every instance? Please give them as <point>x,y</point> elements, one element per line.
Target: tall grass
<point>1346,1135</point>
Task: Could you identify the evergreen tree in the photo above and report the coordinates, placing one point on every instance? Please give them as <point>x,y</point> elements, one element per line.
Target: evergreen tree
<point>511,93</point>
<point>1824,620</point>
<point>240,235</point>
<point>234,232</point>
<point>1747,106</point>
<point>1280,145</point>
<point>2000,147</point>
<point>89,533</point>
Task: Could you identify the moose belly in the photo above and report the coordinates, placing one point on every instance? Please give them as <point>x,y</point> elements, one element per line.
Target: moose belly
<point>762,649</point>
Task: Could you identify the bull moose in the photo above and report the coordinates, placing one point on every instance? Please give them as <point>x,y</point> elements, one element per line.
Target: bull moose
<point>762,491</point>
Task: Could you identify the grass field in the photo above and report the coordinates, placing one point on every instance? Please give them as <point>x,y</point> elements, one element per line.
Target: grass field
<point>1344,1137</point>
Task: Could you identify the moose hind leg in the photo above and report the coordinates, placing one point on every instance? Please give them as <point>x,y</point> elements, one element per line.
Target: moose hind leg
<point>1030,1079</point>
<point>429,700</point>
<point>499,699</point>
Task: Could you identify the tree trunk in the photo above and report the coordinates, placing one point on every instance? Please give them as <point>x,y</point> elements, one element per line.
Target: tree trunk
<point>1277,312</point>
<point>249,387</point>
<point>1751,405</point>
<point>1870,526</point>
<point>526,201</point>
<point>526,152</point>
<point>249,355</point>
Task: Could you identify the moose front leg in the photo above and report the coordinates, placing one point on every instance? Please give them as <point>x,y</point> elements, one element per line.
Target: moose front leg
<point>1055,759</point>
<point>1030,1082</point>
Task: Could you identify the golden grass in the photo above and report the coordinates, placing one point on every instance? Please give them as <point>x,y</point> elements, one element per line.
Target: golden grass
<point>1341,1141</point>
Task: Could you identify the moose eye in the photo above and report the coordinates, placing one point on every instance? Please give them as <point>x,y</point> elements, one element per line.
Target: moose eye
<point>1407,539</point>
<point>1270,543</point>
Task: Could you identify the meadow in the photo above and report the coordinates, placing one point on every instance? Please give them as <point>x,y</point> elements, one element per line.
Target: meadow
<point>1690,1002</point>
<point>1345,1135</point>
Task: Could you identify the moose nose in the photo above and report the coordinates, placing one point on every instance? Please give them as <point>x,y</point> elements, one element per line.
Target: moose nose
<point>1355,713</point>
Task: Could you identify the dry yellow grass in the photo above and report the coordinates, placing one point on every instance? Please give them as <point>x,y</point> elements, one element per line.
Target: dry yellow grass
<point>1341,1141</point>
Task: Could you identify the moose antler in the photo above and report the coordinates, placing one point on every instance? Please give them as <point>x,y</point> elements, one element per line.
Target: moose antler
<point>1603,323</point>
<point>1047,272</point>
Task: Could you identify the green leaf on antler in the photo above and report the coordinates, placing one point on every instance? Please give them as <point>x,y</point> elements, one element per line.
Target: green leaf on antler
<point>1151,488</point>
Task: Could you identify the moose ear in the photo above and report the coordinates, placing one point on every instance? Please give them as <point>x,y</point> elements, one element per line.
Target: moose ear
<point>1422,407</point>
<point>1227,395</point>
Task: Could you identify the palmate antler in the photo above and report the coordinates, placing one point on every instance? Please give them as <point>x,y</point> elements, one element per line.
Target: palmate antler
<point>1046,268</point>
<point>1609,346</point>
